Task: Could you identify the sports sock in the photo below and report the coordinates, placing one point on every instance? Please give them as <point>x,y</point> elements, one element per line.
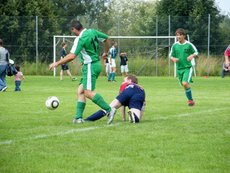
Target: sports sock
<point>113,76</point>
<point>80,106</point>
<point>109,76</point>
<point>188,93</point>
<point>136,118</point>
<point>96,116</point>
<point>98,100</point>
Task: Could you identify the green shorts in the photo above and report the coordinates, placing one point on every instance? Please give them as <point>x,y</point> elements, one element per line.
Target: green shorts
<point>90,73</point>
<point>185,75</point>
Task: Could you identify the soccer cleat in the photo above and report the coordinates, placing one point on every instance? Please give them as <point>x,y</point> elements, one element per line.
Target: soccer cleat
<point>74,79</point>
<point>191,103</point>
<point>111,115</point>
<point>78,121</point>
<point>131,117</point>
<point>3,89</point>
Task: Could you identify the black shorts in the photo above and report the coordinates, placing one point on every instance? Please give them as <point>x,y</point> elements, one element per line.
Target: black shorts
<point>64,67</point>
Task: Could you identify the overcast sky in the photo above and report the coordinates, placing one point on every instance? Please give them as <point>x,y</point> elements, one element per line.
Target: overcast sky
<point>224,6</point>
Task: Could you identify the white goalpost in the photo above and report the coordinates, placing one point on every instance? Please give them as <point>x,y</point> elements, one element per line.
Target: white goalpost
<point>58,39</point>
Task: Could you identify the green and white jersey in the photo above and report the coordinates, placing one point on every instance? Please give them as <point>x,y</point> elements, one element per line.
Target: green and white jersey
<point>86,45</point>
<point>182,52</point>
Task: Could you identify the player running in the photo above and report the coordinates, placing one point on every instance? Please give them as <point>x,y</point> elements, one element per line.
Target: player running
<point>182,53</point>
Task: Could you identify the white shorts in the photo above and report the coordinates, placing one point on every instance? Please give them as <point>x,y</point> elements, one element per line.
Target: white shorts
<point>113,63</point>
<point>124,68</point>
<point>107,68</point>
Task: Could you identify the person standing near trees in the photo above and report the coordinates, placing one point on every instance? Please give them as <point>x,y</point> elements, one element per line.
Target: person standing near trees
<point>112,61</point>
<point>182,53</point>
<point>4,59</point>
<point>124,64</point>
<point>86,47</point>
<point>65,67</point>
<point>227,57</point>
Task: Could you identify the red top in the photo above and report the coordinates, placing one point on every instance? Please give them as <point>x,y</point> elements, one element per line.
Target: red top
<point>227,51</point>
<point>123,86</point>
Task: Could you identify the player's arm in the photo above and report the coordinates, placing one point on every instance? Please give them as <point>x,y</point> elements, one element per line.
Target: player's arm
<point>106,48</point>
<point>67,58</point>
<point>172,55</point>
<point>190,57</point>
<point>194,52</point>
<point>174,59</point>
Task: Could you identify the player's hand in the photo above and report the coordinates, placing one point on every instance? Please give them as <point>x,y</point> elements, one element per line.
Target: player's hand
<point>190,57</point>
<point>174,60</point>
<point>53,65</point>
<point>104,55</point>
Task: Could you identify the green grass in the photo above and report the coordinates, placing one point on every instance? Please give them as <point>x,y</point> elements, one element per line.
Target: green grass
<point>171,138</point>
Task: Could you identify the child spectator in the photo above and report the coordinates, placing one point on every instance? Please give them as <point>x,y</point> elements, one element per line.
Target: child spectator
<point>17,78</point>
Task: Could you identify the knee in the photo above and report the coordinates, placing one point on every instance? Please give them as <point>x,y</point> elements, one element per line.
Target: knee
<point>185,84</point>
<point>88,94</point>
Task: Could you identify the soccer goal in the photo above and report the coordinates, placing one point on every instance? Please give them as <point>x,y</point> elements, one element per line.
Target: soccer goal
<point>157,44</point>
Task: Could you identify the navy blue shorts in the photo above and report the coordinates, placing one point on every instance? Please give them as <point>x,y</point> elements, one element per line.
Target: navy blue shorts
<point>132,96</point>
<point>64,67</point>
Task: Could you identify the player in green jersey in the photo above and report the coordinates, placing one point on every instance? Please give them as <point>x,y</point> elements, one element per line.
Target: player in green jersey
<point>182,53</point>
<point>86,47</point>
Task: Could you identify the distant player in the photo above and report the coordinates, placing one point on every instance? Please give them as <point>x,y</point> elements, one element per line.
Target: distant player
<point>64,67</point>
<point>112,61</point>
<point>107,66</point>
<point>182,53</point>
<point>124,64</point>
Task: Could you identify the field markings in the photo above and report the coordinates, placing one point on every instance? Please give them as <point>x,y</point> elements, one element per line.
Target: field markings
<point>42,136</point>
<point>193,113</point>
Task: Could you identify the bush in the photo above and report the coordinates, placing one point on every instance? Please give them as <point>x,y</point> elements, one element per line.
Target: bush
<point>140,65</point>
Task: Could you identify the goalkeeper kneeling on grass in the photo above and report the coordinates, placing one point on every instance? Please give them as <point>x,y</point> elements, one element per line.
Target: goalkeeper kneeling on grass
<point>131,95</point>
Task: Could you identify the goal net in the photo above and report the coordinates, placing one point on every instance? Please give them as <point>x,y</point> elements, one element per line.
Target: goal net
<point>150,49</point>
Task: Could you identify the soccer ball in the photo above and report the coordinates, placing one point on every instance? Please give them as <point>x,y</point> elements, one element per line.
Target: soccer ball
<point>52,102</point>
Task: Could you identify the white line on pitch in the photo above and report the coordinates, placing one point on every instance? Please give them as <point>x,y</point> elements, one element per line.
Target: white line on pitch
<point>193,113</point>
<point>41,136</point>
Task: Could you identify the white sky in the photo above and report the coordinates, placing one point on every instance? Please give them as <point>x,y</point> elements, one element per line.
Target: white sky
<point>224,6</point>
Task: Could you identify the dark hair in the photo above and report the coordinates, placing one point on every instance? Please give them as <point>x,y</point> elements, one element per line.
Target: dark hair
<point>76,24</point>
<point>1,42</point>
<point>180,31</point>
<point>63,44</point>
<point>133,78</point>
<point>17,67</point>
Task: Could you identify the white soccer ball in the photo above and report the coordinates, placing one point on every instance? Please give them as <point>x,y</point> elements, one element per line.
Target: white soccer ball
<point>52,102</point>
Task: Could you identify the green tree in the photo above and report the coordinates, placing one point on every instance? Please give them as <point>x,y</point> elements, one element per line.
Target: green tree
<point>192,15</point>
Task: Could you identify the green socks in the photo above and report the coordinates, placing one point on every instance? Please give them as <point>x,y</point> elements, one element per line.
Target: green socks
<point>98,100</point>
<point>80,106</point>
<point>188,93</point>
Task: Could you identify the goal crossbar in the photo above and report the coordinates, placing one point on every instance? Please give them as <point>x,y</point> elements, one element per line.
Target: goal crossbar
<point>114,37</point>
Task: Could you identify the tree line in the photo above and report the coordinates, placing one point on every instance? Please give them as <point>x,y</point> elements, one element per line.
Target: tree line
<point>19,20</point>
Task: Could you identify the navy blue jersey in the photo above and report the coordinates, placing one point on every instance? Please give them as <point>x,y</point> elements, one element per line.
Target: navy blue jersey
<point>63,52</point>
<point>124,60</point>
<point>133,96</point>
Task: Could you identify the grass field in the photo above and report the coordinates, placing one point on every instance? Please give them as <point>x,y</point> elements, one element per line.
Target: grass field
<point>171,138</point>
